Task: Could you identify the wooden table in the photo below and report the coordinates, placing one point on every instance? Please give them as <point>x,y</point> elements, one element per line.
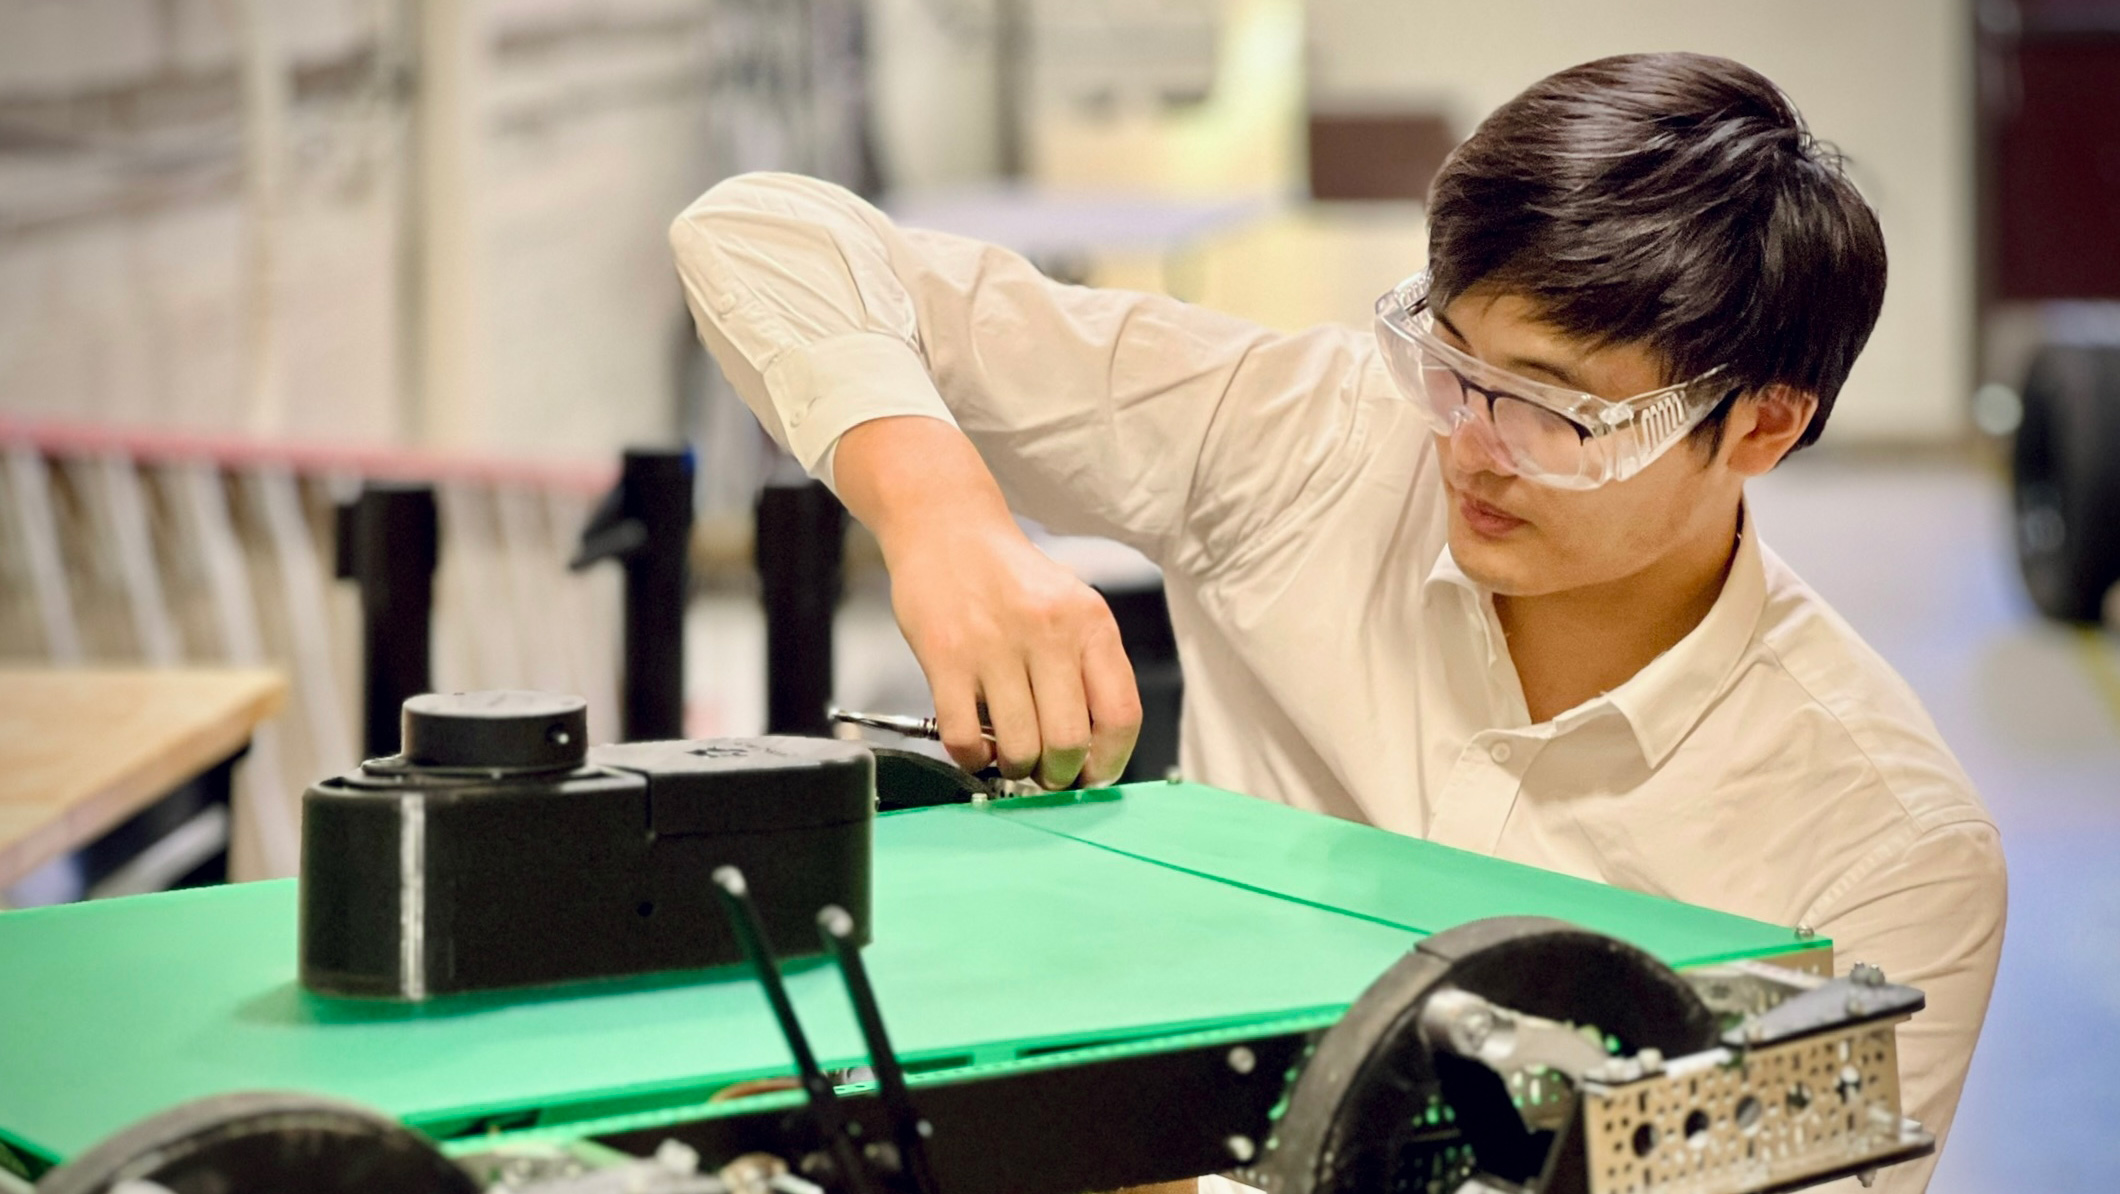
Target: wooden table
<point>81,750</point>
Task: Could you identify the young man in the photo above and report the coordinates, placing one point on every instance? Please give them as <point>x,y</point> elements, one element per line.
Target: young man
<point>1484,576</point>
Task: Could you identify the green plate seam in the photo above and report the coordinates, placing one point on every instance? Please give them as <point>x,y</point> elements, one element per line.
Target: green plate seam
<point>1224,880</point>
<point>999,807</point>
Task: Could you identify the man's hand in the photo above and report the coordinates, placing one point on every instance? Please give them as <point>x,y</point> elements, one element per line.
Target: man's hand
<point>994,623</point>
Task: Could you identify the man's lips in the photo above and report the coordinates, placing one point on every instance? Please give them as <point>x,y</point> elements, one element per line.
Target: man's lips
<point>1490,521</point>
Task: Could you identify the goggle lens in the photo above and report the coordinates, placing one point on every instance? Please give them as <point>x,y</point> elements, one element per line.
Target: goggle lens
<point>1524,436</point>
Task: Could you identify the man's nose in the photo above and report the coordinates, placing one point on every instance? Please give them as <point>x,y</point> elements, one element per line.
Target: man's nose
<point>1475,448</point>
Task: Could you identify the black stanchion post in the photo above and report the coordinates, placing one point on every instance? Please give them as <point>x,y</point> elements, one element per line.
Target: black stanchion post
<point>645,523</point>
<point>389,542</point>
<point>1143,614</point>
<point>801,549</point>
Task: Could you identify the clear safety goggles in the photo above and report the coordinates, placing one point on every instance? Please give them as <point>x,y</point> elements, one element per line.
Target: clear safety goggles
<point>1546,433</point>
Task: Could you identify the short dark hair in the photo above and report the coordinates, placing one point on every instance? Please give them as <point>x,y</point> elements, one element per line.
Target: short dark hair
<point>1675,200</point>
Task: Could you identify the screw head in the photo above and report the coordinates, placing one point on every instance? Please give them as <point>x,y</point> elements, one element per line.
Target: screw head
<point>1243,1060</point>
<point>677,1157</point>
<point>1242,1149</point>
<point>1471,1030</point>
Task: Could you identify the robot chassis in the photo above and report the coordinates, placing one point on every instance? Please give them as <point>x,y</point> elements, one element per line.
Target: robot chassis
<point>1506,1056</point>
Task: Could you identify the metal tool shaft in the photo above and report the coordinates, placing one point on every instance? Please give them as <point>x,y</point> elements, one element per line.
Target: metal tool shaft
<point>910,727</point>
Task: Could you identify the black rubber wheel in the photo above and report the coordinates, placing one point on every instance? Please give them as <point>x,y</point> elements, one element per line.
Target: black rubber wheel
<point>1363,1118</point>
<point>264,1142</point>
<point>2066,480</point>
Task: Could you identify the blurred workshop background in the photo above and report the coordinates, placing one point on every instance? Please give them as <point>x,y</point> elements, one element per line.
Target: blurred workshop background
<point>260,256</point>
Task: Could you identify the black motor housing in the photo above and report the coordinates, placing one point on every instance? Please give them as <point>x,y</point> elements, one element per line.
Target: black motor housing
<point>496,851</point>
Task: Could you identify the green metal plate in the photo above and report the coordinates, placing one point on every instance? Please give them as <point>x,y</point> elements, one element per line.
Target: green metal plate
<point>1387,877</point>
<point>1004,931</point>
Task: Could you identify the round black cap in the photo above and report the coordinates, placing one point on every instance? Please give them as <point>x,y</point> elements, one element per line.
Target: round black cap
<point>497,731</point>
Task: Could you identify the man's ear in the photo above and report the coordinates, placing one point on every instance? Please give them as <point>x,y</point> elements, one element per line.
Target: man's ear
<point>1764,426</point>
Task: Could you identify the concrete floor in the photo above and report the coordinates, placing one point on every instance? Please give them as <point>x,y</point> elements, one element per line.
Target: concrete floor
<point>1916,556</point>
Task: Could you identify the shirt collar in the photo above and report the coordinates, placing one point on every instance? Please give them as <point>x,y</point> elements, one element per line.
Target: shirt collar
<point>1446,572</point>
<point>1664,700</point>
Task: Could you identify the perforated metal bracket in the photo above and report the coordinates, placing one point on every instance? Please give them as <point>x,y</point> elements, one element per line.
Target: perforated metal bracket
<point>1736,1121</point>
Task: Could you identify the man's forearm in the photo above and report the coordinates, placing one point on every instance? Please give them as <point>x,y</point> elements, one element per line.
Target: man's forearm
<point>905,477</point>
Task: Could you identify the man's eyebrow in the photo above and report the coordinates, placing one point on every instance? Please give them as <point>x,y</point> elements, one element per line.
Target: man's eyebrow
<point>1447,325</point>
<point>1560,373</point>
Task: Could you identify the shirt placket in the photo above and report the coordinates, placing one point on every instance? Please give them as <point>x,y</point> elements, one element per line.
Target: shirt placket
<point>1473,802</point>
<point>1482,789</point>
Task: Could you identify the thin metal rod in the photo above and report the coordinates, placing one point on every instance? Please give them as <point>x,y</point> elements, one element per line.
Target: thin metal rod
<point>825,1111</point>
<point>908,1129</point>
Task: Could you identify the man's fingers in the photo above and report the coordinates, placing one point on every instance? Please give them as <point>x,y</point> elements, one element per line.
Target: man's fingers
<point>1063,718</point>
<point>1114,709</point>
<point>1014,717</point>
<point>957,717</point>
<point>991,619</point>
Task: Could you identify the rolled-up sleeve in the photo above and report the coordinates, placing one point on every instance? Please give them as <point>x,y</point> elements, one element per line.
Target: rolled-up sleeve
<point>1178,430</point>
<point>1930,916</point>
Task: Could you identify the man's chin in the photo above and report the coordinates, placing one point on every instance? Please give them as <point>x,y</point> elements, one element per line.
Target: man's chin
<point>1502,568</point>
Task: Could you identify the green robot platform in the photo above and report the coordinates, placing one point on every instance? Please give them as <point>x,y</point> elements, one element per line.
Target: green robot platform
<point>1087,989</point>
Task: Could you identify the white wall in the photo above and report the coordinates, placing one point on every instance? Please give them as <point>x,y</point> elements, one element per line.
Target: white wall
<point>123,288</point>
<point>934,114</point>
<point>594,140</point>
<point>121,254</point>
<point>1888,81</point>
<point>123,234</point>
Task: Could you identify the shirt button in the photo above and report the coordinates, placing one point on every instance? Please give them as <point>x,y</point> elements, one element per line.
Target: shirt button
<point>1499,752</point>
<point>725,302</point>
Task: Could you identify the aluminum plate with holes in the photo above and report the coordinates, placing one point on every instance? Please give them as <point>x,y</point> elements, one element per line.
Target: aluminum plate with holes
<point>1720,1122</point>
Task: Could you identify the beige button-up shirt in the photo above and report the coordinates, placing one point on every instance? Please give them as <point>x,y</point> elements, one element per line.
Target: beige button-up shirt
<point>1336,659</point>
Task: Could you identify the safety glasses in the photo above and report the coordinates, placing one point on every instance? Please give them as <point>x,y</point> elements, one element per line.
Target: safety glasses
<point>1546,433</point>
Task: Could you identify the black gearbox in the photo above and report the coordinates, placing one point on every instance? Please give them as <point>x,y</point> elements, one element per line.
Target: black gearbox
<point>497,851</point>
